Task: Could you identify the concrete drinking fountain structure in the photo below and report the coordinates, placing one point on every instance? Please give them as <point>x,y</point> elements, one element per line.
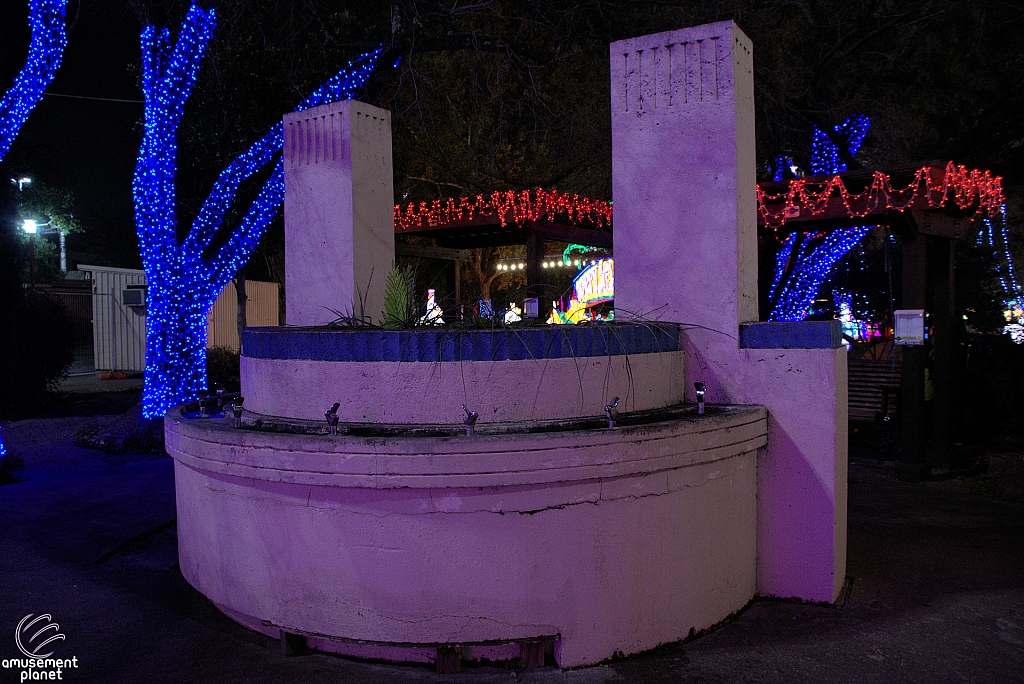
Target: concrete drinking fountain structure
<point>402,538</point>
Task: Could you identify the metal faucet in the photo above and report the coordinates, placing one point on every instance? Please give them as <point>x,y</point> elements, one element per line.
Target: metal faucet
<point>331,415</point>
<point>220,395</point>
<point>204,406</point>
<point>611,411</point>
<point>701,389</point>
<point>470,420</point>
<point>236,409</point>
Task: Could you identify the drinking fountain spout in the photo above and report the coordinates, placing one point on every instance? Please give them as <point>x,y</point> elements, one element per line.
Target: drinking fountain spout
<point>331,415</point>
<point>611,410</point>
<point>701,389</point>
<point>204,406</point>
<point>220,395</point>
<point>236,409</point>
<point>470,420</point>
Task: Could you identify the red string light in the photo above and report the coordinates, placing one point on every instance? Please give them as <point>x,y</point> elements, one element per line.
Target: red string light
<point>960,185</point>
<point>527,205</point>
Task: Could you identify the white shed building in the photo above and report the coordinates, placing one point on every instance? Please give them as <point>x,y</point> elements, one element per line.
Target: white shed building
<point>119,315</point>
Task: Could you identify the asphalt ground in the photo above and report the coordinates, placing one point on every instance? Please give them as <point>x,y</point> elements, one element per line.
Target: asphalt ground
<point>937,591</point>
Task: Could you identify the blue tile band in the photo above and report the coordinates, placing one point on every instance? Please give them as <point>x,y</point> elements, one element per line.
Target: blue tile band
<point>803,335</point>
<point>433,344</point>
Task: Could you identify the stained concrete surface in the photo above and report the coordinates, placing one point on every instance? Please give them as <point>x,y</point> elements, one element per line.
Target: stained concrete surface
<point>937,592</point>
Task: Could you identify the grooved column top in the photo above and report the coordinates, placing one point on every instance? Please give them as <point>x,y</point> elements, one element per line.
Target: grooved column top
<point>338,211</point>
<point>664,72</point>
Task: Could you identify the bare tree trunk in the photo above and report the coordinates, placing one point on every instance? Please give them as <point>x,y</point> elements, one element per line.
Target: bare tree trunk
<point>482,269</point>
<point>239,282</point>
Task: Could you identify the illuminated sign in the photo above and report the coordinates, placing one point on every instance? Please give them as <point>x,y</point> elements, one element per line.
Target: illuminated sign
<point>596,283</point>
<point>909,326</point>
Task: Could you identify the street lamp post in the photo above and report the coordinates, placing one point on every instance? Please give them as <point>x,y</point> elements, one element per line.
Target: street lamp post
<point>31,228</point>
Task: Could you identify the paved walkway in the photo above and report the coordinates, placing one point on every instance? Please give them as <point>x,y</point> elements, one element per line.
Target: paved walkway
<point>937,596</point>
<point>90,383</point>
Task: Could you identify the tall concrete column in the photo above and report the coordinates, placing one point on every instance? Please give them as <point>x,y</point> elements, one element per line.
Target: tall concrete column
<point>683,176</point>
<point>338,212</point>
<point>684,190</point>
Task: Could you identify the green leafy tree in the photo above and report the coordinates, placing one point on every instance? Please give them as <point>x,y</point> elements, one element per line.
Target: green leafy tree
<point>52,208</point>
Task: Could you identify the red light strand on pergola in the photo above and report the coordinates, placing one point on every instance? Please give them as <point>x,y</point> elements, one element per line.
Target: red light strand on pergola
<point>527,205</point>
<point>960,185</point>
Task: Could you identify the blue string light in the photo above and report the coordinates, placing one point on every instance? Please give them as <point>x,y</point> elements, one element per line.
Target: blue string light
<point>183,278</point>
<point>811,269</point>
<point>825,155</point>
<point>344,85</point>
<point>999,243</point>
<point>793,295</point>
<point>175,344</point>
<point>780,169</point>
<point>781,261</point>
<point>45,51</point>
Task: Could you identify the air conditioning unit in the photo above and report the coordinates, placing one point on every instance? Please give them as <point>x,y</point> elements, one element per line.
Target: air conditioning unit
<point>135,296</point>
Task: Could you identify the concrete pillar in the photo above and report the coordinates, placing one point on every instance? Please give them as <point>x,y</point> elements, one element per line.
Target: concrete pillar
<point>338,212</point>
<point>684,190</point>
<point>683,176</point>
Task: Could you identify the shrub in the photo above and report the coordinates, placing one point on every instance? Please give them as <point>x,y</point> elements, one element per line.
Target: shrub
<point>45,340</point>
<point>399,298</point>
<point>222,368</point>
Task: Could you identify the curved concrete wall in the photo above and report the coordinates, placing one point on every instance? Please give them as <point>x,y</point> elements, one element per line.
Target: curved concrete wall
<point>426,375</point>
<point>610,540</point>
<point>500,391</point>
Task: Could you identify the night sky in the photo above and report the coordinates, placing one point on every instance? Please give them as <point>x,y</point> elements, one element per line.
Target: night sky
<point>88,146</point>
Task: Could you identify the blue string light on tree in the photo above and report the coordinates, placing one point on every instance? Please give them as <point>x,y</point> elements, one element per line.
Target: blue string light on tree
<point>45,51</point>
<point>807,268</point>
<point>813,267</point>
<point>825,157</point>
<point>1003,258</point>
<point>342,86</point>
<point>184,277</point>
<point>781,262</point>
<point>779,172</point>
<point>1013,297</point>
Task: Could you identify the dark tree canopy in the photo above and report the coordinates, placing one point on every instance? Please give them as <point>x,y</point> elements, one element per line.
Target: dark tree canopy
<point>514,93</point>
